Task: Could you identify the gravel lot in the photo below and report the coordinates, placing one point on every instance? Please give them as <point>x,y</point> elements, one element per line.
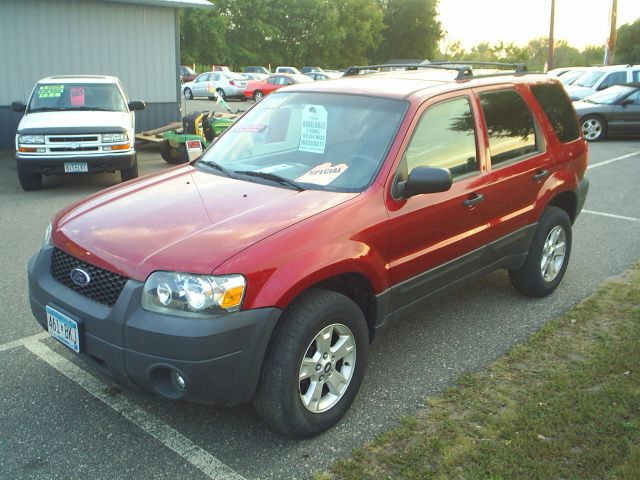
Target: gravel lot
<point>60,419</point>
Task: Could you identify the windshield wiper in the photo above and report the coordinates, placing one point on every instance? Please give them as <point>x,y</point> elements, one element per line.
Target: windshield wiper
<point>216,166</point>
<point>95,109</point>
<point>46,109</point>
<point>273,177</point>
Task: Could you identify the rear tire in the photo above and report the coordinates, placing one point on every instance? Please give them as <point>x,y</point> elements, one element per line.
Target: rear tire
<point>30,181</point>
<point>548,255</point>
<point>171,155</point>
<point>258,95</point>
<point>127,174</point>
<point>314,365</point>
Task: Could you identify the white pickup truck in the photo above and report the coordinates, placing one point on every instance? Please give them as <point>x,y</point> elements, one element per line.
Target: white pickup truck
<point>76,124</point>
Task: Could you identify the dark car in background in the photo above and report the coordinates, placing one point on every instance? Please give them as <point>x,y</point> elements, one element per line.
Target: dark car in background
<point>187,74</point>
<point>614,111</point>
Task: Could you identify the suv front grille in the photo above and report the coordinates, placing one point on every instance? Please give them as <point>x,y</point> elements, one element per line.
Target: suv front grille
<point>104,286</point>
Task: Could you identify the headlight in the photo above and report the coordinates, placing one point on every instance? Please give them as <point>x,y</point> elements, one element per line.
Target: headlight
<point>46,239</point>
<point>114,137</point>
<point>31,139</point>
<point>190,295</point>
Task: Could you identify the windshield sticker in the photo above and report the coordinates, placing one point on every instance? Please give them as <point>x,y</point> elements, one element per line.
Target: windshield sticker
<point>323,174</point>
<point>50,91</point>
<point>77,96</point>
<point>275,168</point>
<point>313,137</point>
<point>251,128</point>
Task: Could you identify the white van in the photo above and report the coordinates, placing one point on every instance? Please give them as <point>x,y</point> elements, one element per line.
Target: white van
<point>76,124</point>
<point>595,79</point>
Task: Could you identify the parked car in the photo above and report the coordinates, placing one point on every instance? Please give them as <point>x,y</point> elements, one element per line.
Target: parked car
<point>306,70</point>
<point>258,89</point>
<point>317,76</point>
<point>614,111</point>
<point>76,124</point>
<point>229,84</point>
<point>263,270</point>
<point>291,70</point>
<point>254,76</point>
<point>187,74</point>
<point>257,69</point>
<point>595,79</point>
<point>202,86</point>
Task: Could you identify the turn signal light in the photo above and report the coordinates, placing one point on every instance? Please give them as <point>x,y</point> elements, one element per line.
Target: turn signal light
<point>120,147</point>
<point>232,297</point>
<point>27,149</point>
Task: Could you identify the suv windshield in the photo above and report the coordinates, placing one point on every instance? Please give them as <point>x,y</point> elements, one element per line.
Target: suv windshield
<point>76,96</point>
<point>588,79</point>
<point>317,141</point>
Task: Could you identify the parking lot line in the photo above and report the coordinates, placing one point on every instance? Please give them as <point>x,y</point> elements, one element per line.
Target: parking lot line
<point>607,162</point>
<point>612,215</point>
<point>21,342</point>
<point>168,436</point>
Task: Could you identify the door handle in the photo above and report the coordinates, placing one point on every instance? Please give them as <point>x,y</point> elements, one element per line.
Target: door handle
<point>540,174</point>
<point>473,200</point>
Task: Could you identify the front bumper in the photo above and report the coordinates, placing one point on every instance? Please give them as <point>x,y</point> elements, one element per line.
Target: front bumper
<point>55,164</point>
<point>220,359</point>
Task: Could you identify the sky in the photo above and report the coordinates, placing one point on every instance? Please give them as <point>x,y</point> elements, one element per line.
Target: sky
<point>580,22</point>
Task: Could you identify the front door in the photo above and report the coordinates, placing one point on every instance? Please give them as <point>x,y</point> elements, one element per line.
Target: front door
<point>438,238</point>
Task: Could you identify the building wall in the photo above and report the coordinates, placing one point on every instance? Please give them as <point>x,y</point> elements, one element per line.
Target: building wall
<point>39,38</point>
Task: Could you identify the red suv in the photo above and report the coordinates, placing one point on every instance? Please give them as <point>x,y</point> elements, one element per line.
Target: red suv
<point>263,270</point>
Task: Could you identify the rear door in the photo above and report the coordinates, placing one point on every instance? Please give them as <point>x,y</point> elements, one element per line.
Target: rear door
<point>630,115</point>
<point>438,238</point>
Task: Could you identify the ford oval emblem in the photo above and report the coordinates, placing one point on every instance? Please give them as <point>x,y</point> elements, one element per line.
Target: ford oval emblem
<point>80,277</point>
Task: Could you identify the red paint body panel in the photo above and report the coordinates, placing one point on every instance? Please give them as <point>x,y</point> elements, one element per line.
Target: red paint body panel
<point>284,241</point>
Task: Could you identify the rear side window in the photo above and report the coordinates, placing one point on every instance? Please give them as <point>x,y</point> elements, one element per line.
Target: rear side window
<point>445,138</point>
<point>556,106</point>
<point>613,79</point>
<point>510,126</point>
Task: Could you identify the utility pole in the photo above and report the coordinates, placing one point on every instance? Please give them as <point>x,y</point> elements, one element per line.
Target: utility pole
<point>549,64</point>
<point>613,34</point>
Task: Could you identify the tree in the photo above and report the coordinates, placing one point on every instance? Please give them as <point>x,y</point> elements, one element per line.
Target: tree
<point>362,25</point>
<point>412,29</point>
<point>628,49</point>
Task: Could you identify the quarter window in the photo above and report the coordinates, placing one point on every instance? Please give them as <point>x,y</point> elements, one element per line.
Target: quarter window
<point>445,138</point>
<point>510,126</point>
<point>556,106</point>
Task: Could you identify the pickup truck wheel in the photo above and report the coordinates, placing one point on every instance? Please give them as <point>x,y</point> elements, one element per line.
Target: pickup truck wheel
<point>314,366</point>
<point>548,255</point>
<point>30,181</point>
<point>130,173</point>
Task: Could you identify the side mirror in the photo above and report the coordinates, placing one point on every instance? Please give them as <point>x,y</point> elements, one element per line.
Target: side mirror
<point>137,105</point>
<point>626,101</point>
<point>425,180</point>
<point>18,107</point>
<point>602,86</point>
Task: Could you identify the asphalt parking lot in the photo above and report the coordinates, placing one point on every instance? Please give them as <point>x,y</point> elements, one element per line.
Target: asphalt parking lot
<point>61,419</point>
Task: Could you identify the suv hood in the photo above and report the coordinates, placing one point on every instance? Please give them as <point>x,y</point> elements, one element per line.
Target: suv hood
<point>75,119</point>
<point>181,220</point>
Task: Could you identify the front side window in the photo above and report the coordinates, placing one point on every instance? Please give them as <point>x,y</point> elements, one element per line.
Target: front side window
<point>77,96</point>
<point>318,141</point>
<point>445,138</point>
<point>510,126</point>
<point>613,79</point>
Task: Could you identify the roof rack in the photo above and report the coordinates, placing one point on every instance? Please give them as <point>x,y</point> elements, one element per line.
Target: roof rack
<point>463,68</point>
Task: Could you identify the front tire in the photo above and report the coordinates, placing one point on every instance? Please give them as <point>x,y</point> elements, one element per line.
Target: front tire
<point>29,181</point>
<point>314,366</point>
<point>127,174</point>
<point>594,128</point>
<point>548,255</point>
<point>188,94</point>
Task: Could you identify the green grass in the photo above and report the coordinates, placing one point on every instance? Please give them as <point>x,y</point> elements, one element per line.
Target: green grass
<point>565,404</point>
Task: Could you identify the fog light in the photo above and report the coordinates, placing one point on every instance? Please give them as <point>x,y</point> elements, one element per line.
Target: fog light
<point>178,380</point>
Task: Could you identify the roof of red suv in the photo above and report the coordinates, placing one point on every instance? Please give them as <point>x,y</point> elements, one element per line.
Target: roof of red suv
<point>401,84</point>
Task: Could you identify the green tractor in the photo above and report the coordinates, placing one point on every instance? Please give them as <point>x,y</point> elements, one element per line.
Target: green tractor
<point>203,126</point>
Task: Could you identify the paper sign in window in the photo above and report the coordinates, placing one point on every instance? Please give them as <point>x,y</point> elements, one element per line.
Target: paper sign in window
<point>323,174</point>
<point>77,96</point>
<point>50,91</point>
<point>313,133</point>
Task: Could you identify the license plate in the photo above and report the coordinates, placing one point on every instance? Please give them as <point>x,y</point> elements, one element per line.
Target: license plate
<point>76,167</point>
<point>63,329</point>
